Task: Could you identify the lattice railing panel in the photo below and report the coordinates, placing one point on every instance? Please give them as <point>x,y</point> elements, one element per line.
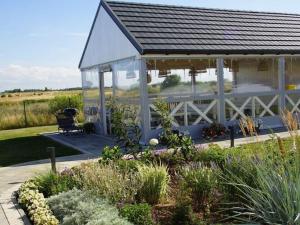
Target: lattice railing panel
<point>292,102</point>
<point>254,106</point>
<point>187,113</point>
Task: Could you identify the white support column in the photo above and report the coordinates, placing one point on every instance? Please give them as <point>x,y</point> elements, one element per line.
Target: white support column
<point>253,109</point>
<point>281,83</point>
<point>102,103</point>
<point>144,101</point>
<point>186,121</point>
<point>221,99</point>
<point>114,82</point>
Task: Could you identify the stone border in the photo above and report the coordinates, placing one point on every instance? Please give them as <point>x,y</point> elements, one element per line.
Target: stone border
<point>11,208</point>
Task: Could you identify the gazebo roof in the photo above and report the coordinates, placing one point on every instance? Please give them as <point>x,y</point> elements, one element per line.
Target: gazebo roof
<point>165,29</point>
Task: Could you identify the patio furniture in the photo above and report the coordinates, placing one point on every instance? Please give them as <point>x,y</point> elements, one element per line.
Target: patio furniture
<point>67,123</point>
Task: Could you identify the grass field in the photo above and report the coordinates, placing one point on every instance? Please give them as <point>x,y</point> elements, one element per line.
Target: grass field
<point>24,145</point>
<point>18,97</point>
<point>37,109</point>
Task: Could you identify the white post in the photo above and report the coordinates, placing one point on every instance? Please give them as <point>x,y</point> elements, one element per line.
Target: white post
<point>144,101</point>
<point>221,95</point>
<point>186,122</point>
<point>114,82</point>
<point>102,103</point>
<point>253,107</point>
<point>281,83</point>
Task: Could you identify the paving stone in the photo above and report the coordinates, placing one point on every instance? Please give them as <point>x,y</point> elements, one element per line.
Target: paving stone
<point>3,219</point>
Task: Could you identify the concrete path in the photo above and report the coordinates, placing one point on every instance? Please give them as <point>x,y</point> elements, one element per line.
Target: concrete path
<point>13,176</point>
<point>248,140</point>
<point>85,143</point>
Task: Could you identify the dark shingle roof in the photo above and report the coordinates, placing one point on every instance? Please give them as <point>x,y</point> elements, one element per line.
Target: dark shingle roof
<point>176,29</point>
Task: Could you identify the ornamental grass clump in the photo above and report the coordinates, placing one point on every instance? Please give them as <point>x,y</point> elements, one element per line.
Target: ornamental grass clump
<point>108,181</point>
<point>54,183</point>
<point>35,205</point>
<point>291,122</point>
<point>275,197</point>
<point>202,181</point>
<point>154,181</point>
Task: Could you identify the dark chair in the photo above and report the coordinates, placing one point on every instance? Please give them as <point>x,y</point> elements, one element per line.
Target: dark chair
<point>67,123</point>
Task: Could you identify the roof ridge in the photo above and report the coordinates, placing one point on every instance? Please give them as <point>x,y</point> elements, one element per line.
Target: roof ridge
<point>202,8</point>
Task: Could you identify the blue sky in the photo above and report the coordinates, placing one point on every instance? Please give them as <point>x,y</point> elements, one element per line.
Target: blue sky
<point>42,40</point>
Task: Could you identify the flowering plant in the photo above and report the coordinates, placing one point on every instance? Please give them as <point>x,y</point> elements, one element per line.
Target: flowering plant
<point>35,204</point>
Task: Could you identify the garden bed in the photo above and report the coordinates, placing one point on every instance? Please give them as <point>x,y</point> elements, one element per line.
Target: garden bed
<point>211,186</point>
<point>184,185</point>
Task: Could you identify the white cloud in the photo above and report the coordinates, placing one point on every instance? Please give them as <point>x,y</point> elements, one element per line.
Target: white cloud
<point>27,77</point>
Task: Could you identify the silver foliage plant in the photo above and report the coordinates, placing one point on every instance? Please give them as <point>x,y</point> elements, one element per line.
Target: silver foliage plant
<point>77,207</point>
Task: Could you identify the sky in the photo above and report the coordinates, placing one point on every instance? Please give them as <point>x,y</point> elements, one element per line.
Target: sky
<point>41,41</point>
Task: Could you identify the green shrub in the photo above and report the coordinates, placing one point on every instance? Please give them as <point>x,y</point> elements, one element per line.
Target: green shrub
<point>171,159</point>
<point>51,184</point>
<point>3,95</point>
<point>187,147</point>
<point>202,181</point>
<point>154,183</point>
<point>89,128</point>
<point>162,108</point>
<point>170,81</point>
<point>126,127</point>
<point>35,205</point>
<point>126,166</point>
<point>183,213</point>
<point>60,103</point>
<point>139,214</point>
<point>180,142</point>
<point>111,153</point>
<point>108,181</point>
<point>214,154</point>
<point>78,207</point>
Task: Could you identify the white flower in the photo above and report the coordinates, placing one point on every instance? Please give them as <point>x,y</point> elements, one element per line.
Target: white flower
<point>153,142</point>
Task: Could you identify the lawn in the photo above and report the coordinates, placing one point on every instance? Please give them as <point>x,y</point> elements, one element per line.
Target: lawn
<point>24,145</point>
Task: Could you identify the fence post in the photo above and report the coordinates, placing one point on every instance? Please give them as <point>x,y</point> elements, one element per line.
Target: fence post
<point>69,102</point>
<point>231,129</point>
<point>25,116</point>
<point>52,158</point>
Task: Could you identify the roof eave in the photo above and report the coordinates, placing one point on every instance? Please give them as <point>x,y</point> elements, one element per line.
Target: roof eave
<point>219,52</point>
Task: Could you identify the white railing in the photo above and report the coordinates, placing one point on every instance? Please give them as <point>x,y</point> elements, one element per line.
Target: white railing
<point>252,102</point>
<point>294,104</point>
<point>187,108</point>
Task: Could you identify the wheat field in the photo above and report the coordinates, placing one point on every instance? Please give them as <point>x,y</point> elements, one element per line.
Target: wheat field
<point>37,111</point>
